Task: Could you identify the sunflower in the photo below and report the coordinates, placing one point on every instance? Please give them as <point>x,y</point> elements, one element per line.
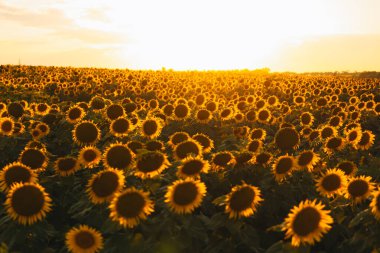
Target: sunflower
<point>263,158</point>
<point>250,115</point>
<point>359,188</point>
<point>118,156</point>
<point>16,172</point>
<point>203,116</point>
<point>36,145</point>
<point>177,138</point>
<point>89,156</point>
<point>349,168</point>
<point>282,167</point>
<point>334,144</point>
<point>226,114</point>
<point>154,145</point>
<point>314,135</point>
<point>306,119</point>
<point>335,121</point>
<point>332,182</point>
<point>287,138</point>
<point>181,112</point>
<point>114,111</point>
<point>42,109</point>
<point>354,135</point>
<point>135,146</point>
<point>15,109</point>
<point>264,115</point>
<point>6,126</point>
<point>328,131</point>
<point>307,222</point>
<point>36,159</point>
<point>375,205</point>
<point>103,185</point>
<point>27,203</point>
<point>150,164</point>
<point>130,206</point>
<point>19,128</point>
<point>366,141</point>
<point>206,142</point>
<point>307,160</point>
<point>184,195</point>
<point>257,134</point>
<point>86,133</point>
<point>75,114</point>
<point>187,148</point>
<point>151,127</point>
<point>242,201</point>
<point>84,239</point>
<point>65,166</point>
<point>222,159</point>
<point>192,167</point>
<point>120,127</point>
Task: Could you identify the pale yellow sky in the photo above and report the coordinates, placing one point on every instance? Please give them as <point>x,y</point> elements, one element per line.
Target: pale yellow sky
<point>284,35</point>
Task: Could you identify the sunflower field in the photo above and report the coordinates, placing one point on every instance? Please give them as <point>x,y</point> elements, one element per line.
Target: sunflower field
<point>102,160</point>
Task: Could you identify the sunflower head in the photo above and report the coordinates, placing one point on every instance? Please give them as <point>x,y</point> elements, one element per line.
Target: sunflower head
<point>187,148</point>
<point>375,205</point>
<point>120,127</point>
<point>151,127</point>
<point>84,239</point>
<point>354,135</point>
<point>27,203</point>
<point>181,112</point>
<point>36,159</point>
<point>307,159</point>
<point>114,111</point>
<point>334,144</point>
<point>203,116</point>
<point>242,201</point>
<point>287,138</point>
<point>130,206</point>
<point>177,138</point>
<point>366,141</point>
<point>306,119</point>
<point>118,156</point>
<point>222,159</point>
<point>257,134</point>
<point>332,182</point>
<point>184,195</point>
<point>6,126</point>
<point>359,189</point>
<point>307,222</point>
<point>89,156</point>
<point>283,166</point>
<point>75,114</point>
<point>16,172</point>
<point>349,168</point>
<point>65,166</point>
<point>206,142</point>
<point>150,164</point>
<point>192,167</point>
<point>86,133</point>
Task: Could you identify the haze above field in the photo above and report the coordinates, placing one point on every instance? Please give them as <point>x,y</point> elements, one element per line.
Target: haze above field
<point>295,35</point>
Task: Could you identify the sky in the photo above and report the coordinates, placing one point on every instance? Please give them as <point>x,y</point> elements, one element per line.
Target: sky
<point>284,35</point>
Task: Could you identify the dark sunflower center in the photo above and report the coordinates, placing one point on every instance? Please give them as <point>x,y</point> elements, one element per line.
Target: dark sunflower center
<point>150,127</point>
<point>335,121</point>
<point>263,158</point>
<point>130,205</point>
<point>284,165</point>
<point>27,200</point>
<point>33,158</point>
<point>89,155</point>
<point>306,221</point>
<point>150,162</point>
<point>118,157</point>
<point>181,111</point>
<point>305,118</point>
<point>347,167</point>
<point>130,107</point>
<point>242,199</point>
<point>203,140</point>
<point>153,145</point>
<point>254,146</point>
<point>203,114</point>
<point>331,182</point>
<point>185,193</point>
<point>178,138</point>
<point>358,188</point>
<point>84,240</point>
<point>105,184</point>
<point>334,143</point>
<point>186,148</point>
<point>257,134</point>
<point>66,164</point>
<point>263,115</point>
<point>74,113</point>
<point>353,136</point>
<point>15,109</point>
<point>6,126</point>
<point>41,107</point>
<point>225,113</point>
<point>135,146</point>
<point>86,132</point>
<point>313,135</point>
<point>17,173</point>
<point>251,116</point>
<point>222,159</point>
<point>305,158</point>
<point>98,104</point>
<point>365,139</point>
<point>244,157</point>
<point>120,125</point>
<point>286,138</point>
<point>326,132</point>
<point>114,111</point>
<point>192,167</point>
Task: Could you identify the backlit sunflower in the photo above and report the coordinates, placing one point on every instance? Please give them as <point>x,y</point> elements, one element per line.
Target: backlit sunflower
<point>6,126</point>
<point>103,185</point>
<point>135,146</point>
<point>257,134</point>
<point>307,222</point>
<point>359,188</point>
<point>334,144</point>
<point>264,115</point>
<point>226,114</point>
<point>328,131</point>
<point>84,239</point>
<point>332,182</point>
<point>86,133</point>
<point>118,156</point>
<point>66,166</point>
<point>184,195</point>
<point>348,167</point>
<point>75,114</point>
<point>366,141</point>
<point>36,159</point>
<point>89,156</point>
<point>242,201</point>
<point>150,164</point>
<point>283,167</point>
<point>130,206</point>
<point>177,138</point>
<point>192,167</point>
<point>203,116</point>
<point>306,119</point>
<point>287,138</point>
<point>151,127</point>
<point>120,127</point>
<point>155,145</point>
<point>114,111</point>
<point>353,136</point>
<point>307,160</point>
<point>222,159</point>
<point>263,158</point>
<point>181,112</point>
<point>254,146</point>
<point>27,203</point>
<point>187,148</point>
<point>205,141</point>
<point>375,205</point>
<point>16,172</point>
